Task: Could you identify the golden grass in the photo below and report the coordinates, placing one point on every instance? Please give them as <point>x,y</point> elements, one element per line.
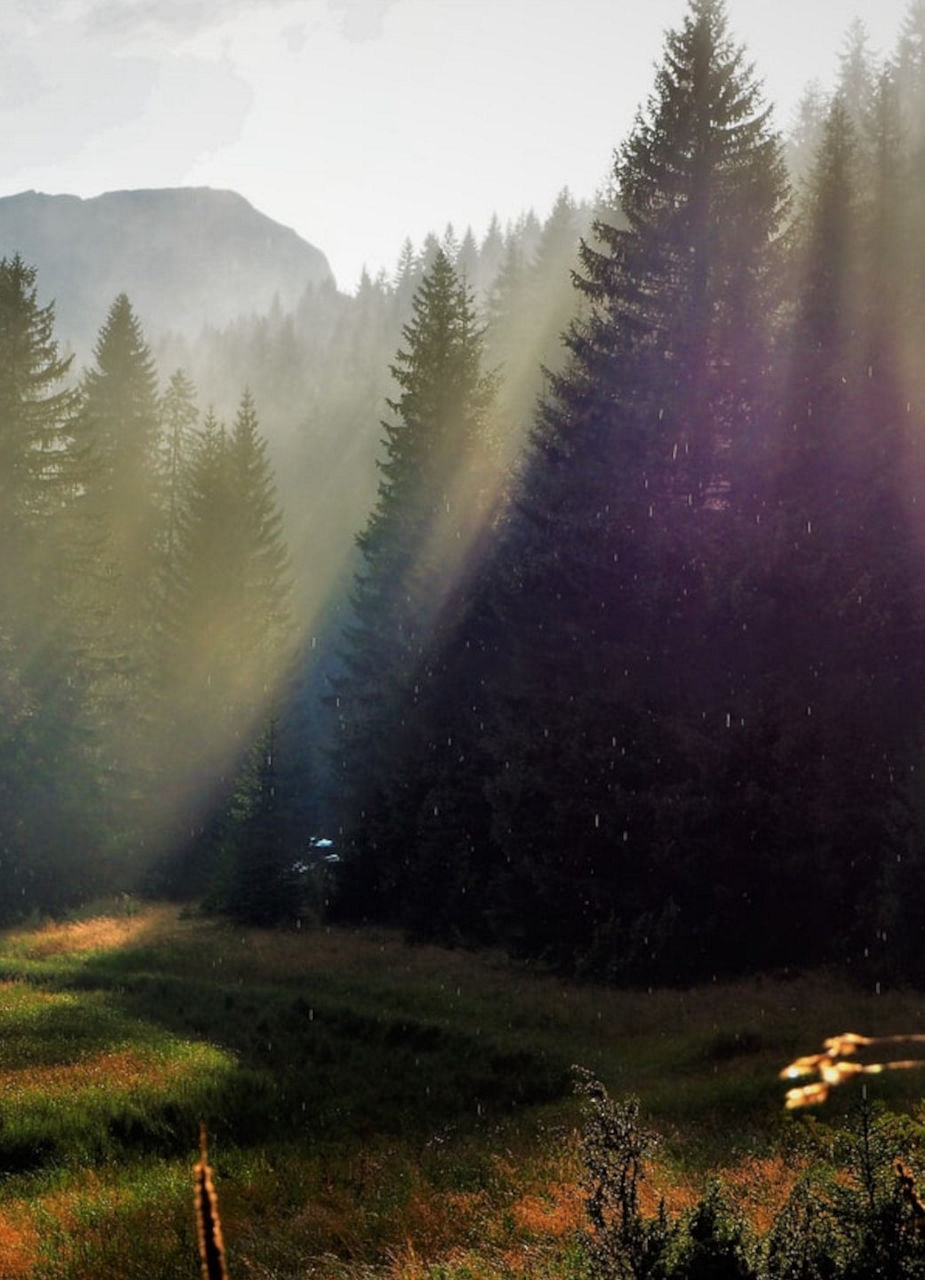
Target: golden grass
<point>67,1207</point>
<point>124,1070</point>
<point>519,1223</point>
<point>19,1242</point>
<point>761,1187</point>
<point>108,932</point>
<point>557,1211</point>
<point>517,1231</point>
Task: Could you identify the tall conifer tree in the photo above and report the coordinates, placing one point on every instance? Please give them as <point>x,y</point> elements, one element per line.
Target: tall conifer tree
<point>49,802</point>
<point>229,617</point>
<point>415,547</point>
<point>119,430</point>
<point>604,583</point>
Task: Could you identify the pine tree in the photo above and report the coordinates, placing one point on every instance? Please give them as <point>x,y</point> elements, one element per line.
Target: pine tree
<point>466,260</point>
<point>179,416</point>
<point>805,132</point>
<point>530,306</point>
<point>491,255</point>
<point>39,464</point>
<point>608,615</point>
<point>834,585</point>
<point>262,888</point>
<point>49,801</point>
<point>858,74</point>
<point>264,610</point>
<point>119,427</point>
<point>229,618</point>
<point>415,547</point>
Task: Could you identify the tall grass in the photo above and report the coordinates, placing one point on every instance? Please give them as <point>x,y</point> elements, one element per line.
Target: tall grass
<point>373,1108</point>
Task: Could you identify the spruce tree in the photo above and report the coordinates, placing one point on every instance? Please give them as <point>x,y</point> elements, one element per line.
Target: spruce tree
<point>229,622</point>
<point>119,425</point>
<point>616,677</point>
<point>179,416</point>
<point>530,306</point>
<point>262,887</point>
<point>415,549</point>
<point>49,799</point>
<point>264,610</point>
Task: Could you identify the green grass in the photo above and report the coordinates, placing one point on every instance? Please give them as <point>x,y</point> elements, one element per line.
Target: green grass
<point>374,1109</point>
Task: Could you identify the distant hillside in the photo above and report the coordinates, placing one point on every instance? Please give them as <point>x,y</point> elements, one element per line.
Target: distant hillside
<point>186,257</point>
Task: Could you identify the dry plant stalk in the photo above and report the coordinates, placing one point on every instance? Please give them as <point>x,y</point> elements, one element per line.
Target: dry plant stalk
<point>208,1222</point>
<point>832,1069</point>
<point>906,1179</point>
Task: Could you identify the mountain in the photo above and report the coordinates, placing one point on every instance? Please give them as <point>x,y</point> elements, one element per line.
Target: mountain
<point>186,256</point>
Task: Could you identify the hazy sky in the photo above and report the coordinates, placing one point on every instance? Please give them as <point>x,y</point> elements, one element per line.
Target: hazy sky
<point>360,122</point>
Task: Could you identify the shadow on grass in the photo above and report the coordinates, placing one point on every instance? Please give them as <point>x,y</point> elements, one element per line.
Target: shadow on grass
<point>315,1067</point>
<point>286,1067</point>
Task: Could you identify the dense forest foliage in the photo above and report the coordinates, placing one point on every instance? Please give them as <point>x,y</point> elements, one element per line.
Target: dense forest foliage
<point>627,677</point>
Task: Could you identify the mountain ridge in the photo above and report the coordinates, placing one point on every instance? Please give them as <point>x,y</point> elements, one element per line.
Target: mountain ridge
<point>188,257</point>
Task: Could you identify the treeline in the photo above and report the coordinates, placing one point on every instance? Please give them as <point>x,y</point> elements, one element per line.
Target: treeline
<point>646,704</point>
<point>321,373</point>
<point>145,623</point>
<point>628,678</point>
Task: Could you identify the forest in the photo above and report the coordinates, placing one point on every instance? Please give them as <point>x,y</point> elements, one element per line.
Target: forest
<point>568,581</point>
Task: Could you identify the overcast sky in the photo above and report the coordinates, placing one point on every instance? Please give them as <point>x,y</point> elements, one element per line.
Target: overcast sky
<point>360,122</point>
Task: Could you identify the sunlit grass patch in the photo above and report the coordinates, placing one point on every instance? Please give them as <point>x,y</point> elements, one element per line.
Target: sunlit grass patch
<point>558,1210</point>
<point>106,931</point>
<point>115,1223</point>
<point>129,1072</point>
<point>19,1243</point>
<point>79,1080</point>
<point>378,1110</point>
<point>761,1186</point>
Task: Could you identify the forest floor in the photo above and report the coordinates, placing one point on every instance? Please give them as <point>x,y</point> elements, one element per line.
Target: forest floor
<point>373,1109</point>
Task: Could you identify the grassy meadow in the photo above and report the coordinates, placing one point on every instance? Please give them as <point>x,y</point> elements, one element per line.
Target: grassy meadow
<point>373,1109</point>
